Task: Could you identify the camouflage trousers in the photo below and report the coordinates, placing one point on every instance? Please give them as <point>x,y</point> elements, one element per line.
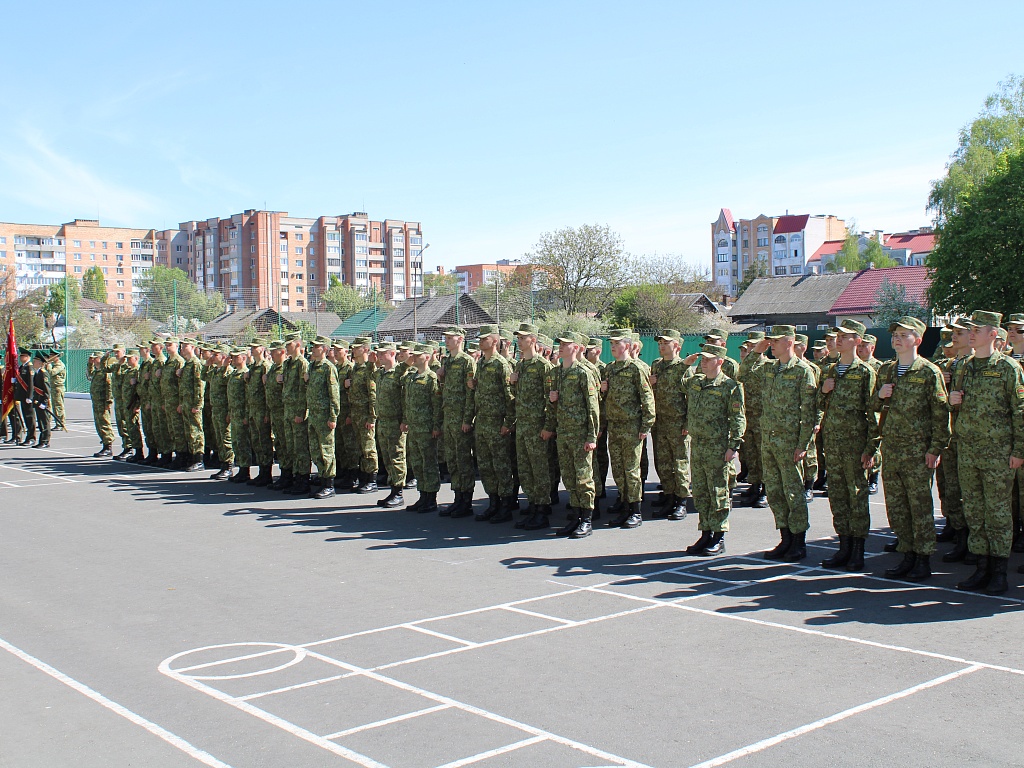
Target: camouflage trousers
<point>345,448</point>
<point>58,407</point>
<point>101,418</point>
<point>601,463</point>
<point>848,489</point>
<point>133,430</point>
<point>298,442</point>
<point>260,438</point>
<point>119,421</point>
<point>809,469</point>
<point>947,476</point>
<point>458,452</point>
<point>577,468</point>
<point>365,441</point>
<point>175,429</point>
<point>279,437</point>
<point>624,448</point>
<point>222,437</point>
<point>784,485</point>
<point>241,448</point>
<point>907,483</point>
<point>421,451</point>
<point>392,443</point>
<point>672,459</point>
<point>209,436</point>
<point>146,417</point>
<point>321,449</point>
<point>751,451</point>
<point>493,456</point>
<point>195,440</point>
<point>159,428</point>
<point>533,457</point>
<point>987,481</point>
<point>712,475</point>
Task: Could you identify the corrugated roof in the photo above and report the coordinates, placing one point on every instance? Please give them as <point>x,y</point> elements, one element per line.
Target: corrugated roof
<point>324,322</point>
<point>361,323</point>
<point>914,243</point>
<point>804,295</point>
<point>859,296</point>
<point>788,224</point>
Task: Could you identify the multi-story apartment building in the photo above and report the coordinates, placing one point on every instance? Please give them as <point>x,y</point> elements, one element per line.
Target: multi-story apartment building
<point>472,276</point>
<point>767,245</point>
<point>41,254</point>
<point>271,259</point>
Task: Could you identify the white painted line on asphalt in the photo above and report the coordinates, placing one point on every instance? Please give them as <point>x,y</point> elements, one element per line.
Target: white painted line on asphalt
<point>296,687</point>
<point>8,465</point>
<point>441,635</point>
<point>34,485</point>
<point>764,744</point>
<point>494,752</point>
<point>389,721</point>
<point>162,733</point>
<point>514,609</point>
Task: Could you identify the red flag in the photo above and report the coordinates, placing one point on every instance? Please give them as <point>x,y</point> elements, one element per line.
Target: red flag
<point>10,371</point>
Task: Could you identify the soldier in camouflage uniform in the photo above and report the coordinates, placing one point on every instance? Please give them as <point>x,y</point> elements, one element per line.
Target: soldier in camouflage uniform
<point>459,368</point>
<point>57,374</point>
<point>161,442</point>
<point>361,386</point>
<point>190,406</point>
<point>788,419</point>
<point>529,399</point>
<point>116,366</point>
<point>669,374</point>
<point>629,405</point>
<point>573,419</point>
<point>600,459</point>
<point>170,376</point>
<point>990,440</point>
<point>210,459</point>
<point>718,337</point>
<point>145,403</point>
<point>102,400</point>
<point>293,392</point>
<point>259,415</point>
<point>954,370</point>
<point>273,386</point>
<point>492,413</point>
<point>238,414</point>
<point>217,394</point>
<point>346,447</point>
<point>1015,349</point>
<point>390,394</point>
<point>848,419</point>
<point>131,385</point>
<point>422,422</point>
<point>714,414</point>
<point>750,376</point>
<point>323,405</point>
<point>816,451</point>
<point>914,427</point>
<point>866,352</point>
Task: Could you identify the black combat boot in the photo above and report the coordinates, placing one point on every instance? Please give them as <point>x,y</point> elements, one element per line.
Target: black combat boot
<point>429,502</point>
<point>181,460</point>
<point>509,507</point>
<point>531,510</point>
<point>554,496</point>
<point>762,498</point>
<point>959,550</point>
<point>821,482</point>
<point>634,519</point>
<point>241,476</point>
<point>978,580</point>
<point>717,545</point>
<point>368,485</point>
<point>780,549</point>
<point>892,546</point>
<point>394,499</point>
<point>352,481</point>
<point>194,463</point>
<point>841,557</point>
<point>583,526</point>
<point>808,491</point>
<point>856,561</point>
<point>492,508</point>
<point>698,547</point>
<point>326,490</point>
<point>465,509</point>
<point>447,510</point>
<point>299,486</point>
<point>905,566</point>
<point>997,584</point>
<point>618,507</point>
<point>284,481</point>
<point>922,569</point>
<point>540,520</point>
<point>797,549</point>
<point>661,501</point>
<point>947,534</point>
<point>123,454</point>
<point>223,474</point>
<point>411,482</point>
<point>597,511</point>
<point>570,526</point>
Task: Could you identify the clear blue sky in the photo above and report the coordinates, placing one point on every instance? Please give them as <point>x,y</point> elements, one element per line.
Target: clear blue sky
<point>493,122</point>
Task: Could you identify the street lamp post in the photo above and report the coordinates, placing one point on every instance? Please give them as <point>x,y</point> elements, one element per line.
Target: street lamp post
<point>415,325</point>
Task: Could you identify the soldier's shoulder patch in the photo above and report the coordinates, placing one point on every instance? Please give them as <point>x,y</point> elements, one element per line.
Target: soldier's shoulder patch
<point>917,379</point>
<point>1020,391</point>
<point>941,396</point>
<point>736,405</point>
<point>992,374</point>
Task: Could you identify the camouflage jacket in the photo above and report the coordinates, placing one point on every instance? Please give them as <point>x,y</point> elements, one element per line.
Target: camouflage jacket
<point>751,377</point>
<point>362,392</point>
<point>456,371</point>
<point>670,379</point>
<point>714,413</point>
<point>274,389</point>
<point>168,376</point>
<point>491,399</point>
<point>343,371</point>
<point>576,413</point>
<point>237,406</point>
<point>629,398</point>
<point>848,419</point>
<point>788,403</point>
<point>131,384</point>
<point>256,390</point>
<point>530,393</point>
<point>190,385</point>
<point>917,413</point>
<point>992,412</point>
<point>218,388</point>
<point>390,394</point>
<point>293,390</point>
<point>422,401</point>
<point>116,376</point>
<point>57,374</point>
<point>322,398</point>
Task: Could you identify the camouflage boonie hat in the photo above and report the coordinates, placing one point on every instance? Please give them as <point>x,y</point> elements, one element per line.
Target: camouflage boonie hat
<point>321,341</point>
<point>910,323</point>
<point>526,329</point>
<point>1016,319</point>
<point>669,334</point>
<point>570,338</point>
<point>454,330</point>
<point>801,338</point>
<point>755,335</point>
<point>386,346</point>
<point>852,326</point>
<point>781,331</point>
<point>296,336</point>
<point>488,330</point>
<point>984,317</point>
<point>620,334</point>
<point>712,350</point>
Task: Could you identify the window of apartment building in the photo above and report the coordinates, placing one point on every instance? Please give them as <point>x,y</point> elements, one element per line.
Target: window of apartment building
<point>252,233</point>
<point>92,257</point>
<point>120,296</point>
<point>298,262</point>
<point>780,239</point>
<point>78,257</point>
<point>104,270</point>
<point>794,238</point>
<point>796,253</point>
<point>360,237</point>
<point>298,235</point>
<point>252,249</point>
<point>399,264</point>
<point>399,253</point>
<point>299,249</point>
<point>284,261</point>
<point>360,275</point>
<point>119,245</point>
<point>252,262</point>
<point>104,245</point>
<point>762,242</point>
<point>333,236</point>
<point>284,248</point>
<point>120,283</point>
<point>723,257</point>
<point>334,262</point>
<point>800,327</point>
<point>333,249</point>
<point>362,249</point>
<point>78,270</point>
<point>780,271</point>
<point>234,235</point>
<point>120,270</point>
<point>796,269</point>
<point>177,248</point>
<point>760,228</point>
<point>299,289</point>
<point>416,240</point>
<point>76,243</point>
<point>746,243</point>
<point>312,277</point>
<point>284,275</point>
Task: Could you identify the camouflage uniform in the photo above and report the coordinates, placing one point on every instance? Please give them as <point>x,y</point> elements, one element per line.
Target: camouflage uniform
<point>102,399</point>
<point>458,410</point>
<point>629,405</point>
<point>533,455</point>
<point>117,373</point>
<point>259,414</point>
<point>322,401</point>
<point>947,474</point>
<point>750,375</point>
<point>273,389</point>
<point>239,415</point>
<point>362,401</point>
<point>293,392</point>
<point>671,447</point>
<point>346,446</point>
<point>161,443</point>
<point>389,420</point>
<point>422,414</point>
<point>575,419</point>
<point>713,414</point>
<point>491,404</point>
<point>58,376</point>
<point>131,384</point>
<point>174,427</point>
<point>217,395</point>
<point>190,394</point>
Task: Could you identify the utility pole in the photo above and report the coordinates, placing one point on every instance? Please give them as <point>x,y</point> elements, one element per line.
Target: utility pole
<point>415,323</point>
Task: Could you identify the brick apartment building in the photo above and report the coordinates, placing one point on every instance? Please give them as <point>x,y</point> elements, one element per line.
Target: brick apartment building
<point>39,255</point>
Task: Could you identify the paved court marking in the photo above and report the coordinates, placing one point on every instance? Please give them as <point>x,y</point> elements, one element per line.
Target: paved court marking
<point>162,733</point>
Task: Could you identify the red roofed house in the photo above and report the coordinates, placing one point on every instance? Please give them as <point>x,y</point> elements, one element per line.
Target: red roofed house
<point>910,248</point>
<point>857,301</point>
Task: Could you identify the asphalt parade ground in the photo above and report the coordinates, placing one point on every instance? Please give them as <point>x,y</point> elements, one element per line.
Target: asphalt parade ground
<point>156,619</point>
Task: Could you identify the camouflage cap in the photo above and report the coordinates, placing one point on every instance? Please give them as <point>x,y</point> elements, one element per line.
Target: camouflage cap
<point>455,330</point>
<point>185,340</point>
<point>801,338</point>
<point>274,346</point>
<point>92,354</point>
<point>832,333</point>
<point>716,333</point>
<point>433,344</point>
<point>339,344</point>
<point>585,340</point>
<point>236,351</point>
<point>488,330</point>
<point>321,341</point>
<point>545,341</point>
<point>713,351</point>
<point>755,335</point>
<point>781,331</point>
<point>408,346</point>
<point>669,334</point>
<point>595,343</point>
<point>386,346</point>
<point>361,341</point>
<point>295,336</point>
<point>819,344</point>
<point>852,326</point>
<point>946,334</point>
<point>117,346</point>
<point>910,323</point>
<point>473,345</point>
<point>869,339</point>
<point>257,342</point>
<point>961,324</point>
<point>172,340</point>
<point>506,334</point>
<point>1016,320</point>
<point>1001,332</point>
<point>620,334</point>
<point>421,349</point>
<point>224,349</point>
<point>984,317</point>
<point>570,338</point>
<point>526,329</point>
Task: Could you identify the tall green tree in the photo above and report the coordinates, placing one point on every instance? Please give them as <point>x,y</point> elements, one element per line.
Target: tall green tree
<point>94,285</point>
<point>440,285</point>
<point>977,261</point>
<point>55,303</point>
<point>891,303</point>
<point>997,131</point>
<point>585,266</point>
<point>344,300</point>
<point>756,270</point>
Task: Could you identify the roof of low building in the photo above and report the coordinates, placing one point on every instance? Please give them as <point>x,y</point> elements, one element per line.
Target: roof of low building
<point>859,295</point>
<point>915,242</point>
<point>797,295</point>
